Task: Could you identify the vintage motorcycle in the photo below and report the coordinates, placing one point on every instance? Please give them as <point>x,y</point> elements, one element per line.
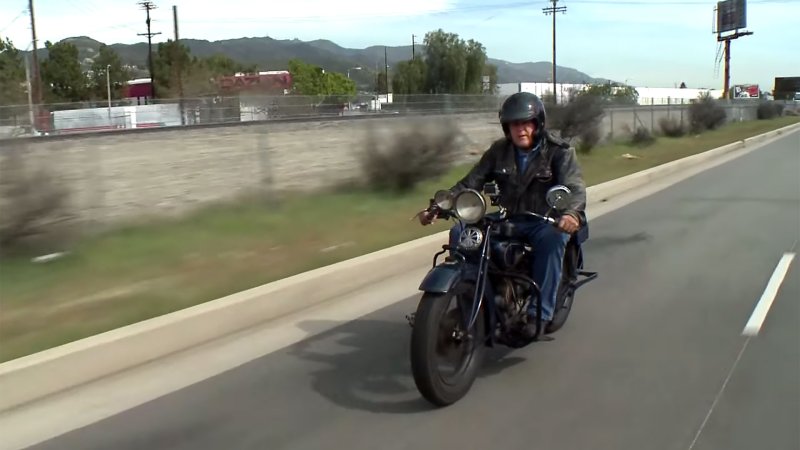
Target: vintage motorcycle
<point>487,274</point>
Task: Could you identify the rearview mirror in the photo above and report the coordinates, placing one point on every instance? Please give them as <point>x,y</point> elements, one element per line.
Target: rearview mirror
<point>558,197</point>
<point>443,199</point>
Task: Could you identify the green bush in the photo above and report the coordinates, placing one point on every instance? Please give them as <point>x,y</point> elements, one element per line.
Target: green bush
<point>642,137</point>
<point>672,127</point>
<point>32,203</point>
<point>769,110</point>
<point>706,114</point>
<point>399,158</point>
<point>589,138</point>
<point>583,112</point>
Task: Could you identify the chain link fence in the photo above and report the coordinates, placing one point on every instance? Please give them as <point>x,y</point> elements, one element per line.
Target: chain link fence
<point>117,177</point>
<point>98,116</point>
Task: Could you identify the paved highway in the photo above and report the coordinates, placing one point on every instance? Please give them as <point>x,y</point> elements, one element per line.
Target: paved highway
<point>653,357</point>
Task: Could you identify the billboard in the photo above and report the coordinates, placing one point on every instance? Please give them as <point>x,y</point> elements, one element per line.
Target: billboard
<point>786,87</point>
<point>731,15</point>
<point>746,91</point>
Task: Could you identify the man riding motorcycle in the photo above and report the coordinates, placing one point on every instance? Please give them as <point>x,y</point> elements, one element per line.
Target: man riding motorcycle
<point>525,164</point>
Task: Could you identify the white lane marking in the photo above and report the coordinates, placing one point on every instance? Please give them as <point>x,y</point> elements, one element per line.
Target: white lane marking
<point>770,292</point>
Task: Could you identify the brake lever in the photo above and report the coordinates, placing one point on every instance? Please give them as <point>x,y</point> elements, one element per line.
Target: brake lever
<point>431,208</point>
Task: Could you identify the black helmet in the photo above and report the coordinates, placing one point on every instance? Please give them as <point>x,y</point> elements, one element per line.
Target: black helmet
<point>523,106</point>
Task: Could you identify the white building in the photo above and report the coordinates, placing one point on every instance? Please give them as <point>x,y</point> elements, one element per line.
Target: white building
<point>647,95</point>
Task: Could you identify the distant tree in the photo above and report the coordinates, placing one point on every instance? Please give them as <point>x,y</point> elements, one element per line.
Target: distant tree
<point>97,78</point>
<point>12,74</point>
<point>171,61</point>
<point>446,59</point>
<point>450,66</point>
<point>381,86</point>
<point>62,77</point>
<point>174,62</point>
<point>409,77</point>
<point>612,93</point>
<point>218,65</point>
<point>475,55</point>
<point>309,79</point>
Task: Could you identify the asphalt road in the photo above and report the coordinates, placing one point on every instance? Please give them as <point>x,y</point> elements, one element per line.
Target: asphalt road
<point>653,356</point>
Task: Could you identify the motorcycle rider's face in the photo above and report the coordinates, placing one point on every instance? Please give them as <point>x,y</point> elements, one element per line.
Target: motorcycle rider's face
<point>522,133</point>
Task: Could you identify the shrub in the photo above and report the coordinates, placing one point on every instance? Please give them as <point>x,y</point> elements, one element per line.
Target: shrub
<point>671,127</point>
<point>769,110</point>
<point>583,112</point>
<point>706,114</point>
<point>589,138</point>
<point>642,137</point>
<point>32,203</point>
<point>399,158</point>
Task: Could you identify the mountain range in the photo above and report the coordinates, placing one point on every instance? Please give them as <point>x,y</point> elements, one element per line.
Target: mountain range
<point>274,54</point>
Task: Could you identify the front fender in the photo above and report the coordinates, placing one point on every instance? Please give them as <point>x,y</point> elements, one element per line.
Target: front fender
<point>442,278</point>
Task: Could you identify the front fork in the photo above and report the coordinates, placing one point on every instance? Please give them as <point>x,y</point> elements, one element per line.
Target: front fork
<point>482,285</point>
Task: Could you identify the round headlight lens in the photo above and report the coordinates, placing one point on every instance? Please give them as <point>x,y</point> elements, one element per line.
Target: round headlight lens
<point>470,206</point>
<point>443,199</point>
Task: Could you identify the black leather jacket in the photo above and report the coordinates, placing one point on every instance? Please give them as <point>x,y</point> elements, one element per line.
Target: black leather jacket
<point>555,163</point>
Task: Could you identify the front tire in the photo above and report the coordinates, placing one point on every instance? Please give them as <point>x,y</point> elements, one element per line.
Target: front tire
<point>427,343</point>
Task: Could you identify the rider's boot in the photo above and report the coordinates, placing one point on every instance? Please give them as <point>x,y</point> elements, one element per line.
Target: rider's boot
<point>530,329</point>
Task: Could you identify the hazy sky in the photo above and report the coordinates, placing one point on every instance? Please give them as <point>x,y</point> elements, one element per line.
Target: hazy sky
<point>647,42</point>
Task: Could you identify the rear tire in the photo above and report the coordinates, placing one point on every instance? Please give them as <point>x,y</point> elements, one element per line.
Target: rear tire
<point>429,380</point>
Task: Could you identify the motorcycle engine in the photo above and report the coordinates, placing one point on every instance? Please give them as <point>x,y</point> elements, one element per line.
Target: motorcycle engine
<point>512,303</point>
<point>507,255</point>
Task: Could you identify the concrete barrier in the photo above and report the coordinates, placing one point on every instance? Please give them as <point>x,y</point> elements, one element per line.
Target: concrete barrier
<point>612,188</point>
<point>36,376</point>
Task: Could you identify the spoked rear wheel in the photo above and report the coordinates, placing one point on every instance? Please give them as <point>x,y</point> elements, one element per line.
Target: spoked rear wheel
<point>445,358</point>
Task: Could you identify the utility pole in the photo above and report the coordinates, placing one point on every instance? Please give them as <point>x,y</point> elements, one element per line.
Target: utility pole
<point>547,11</point>
<point>180,69</point>
<point>37,79</point>
<point>108,90</point>
<point>386,73</point>
<point>413,46</point>
<point>30,94</point>
<point>147,6</point>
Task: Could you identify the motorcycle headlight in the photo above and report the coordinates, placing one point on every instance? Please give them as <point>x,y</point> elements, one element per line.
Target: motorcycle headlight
<point>470,206</point>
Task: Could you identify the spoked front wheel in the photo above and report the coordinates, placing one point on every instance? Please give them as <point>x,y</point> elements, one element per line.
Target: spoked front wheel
<point>445,358</point>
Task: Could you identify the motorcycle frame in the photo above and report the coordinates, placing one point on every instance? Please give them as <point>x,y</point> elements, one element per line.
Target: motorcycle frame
<point>441,278</point>
<point>438,281</point>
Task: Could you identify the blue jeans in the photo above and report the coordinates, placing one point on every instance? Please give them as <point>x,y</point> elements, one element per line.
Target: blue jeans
<point>548,244</point>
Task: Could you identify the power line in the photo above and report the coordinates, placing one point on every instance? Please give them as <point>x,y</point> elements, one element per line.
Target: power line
<point>548,11</point>
<point>21,13</point>
<point>467,9</point>
<point>147,6</point>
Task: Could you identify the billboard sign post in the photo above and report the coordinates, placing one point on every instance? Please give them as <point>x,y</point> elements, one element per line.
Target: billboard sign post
<point>731,16</point>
